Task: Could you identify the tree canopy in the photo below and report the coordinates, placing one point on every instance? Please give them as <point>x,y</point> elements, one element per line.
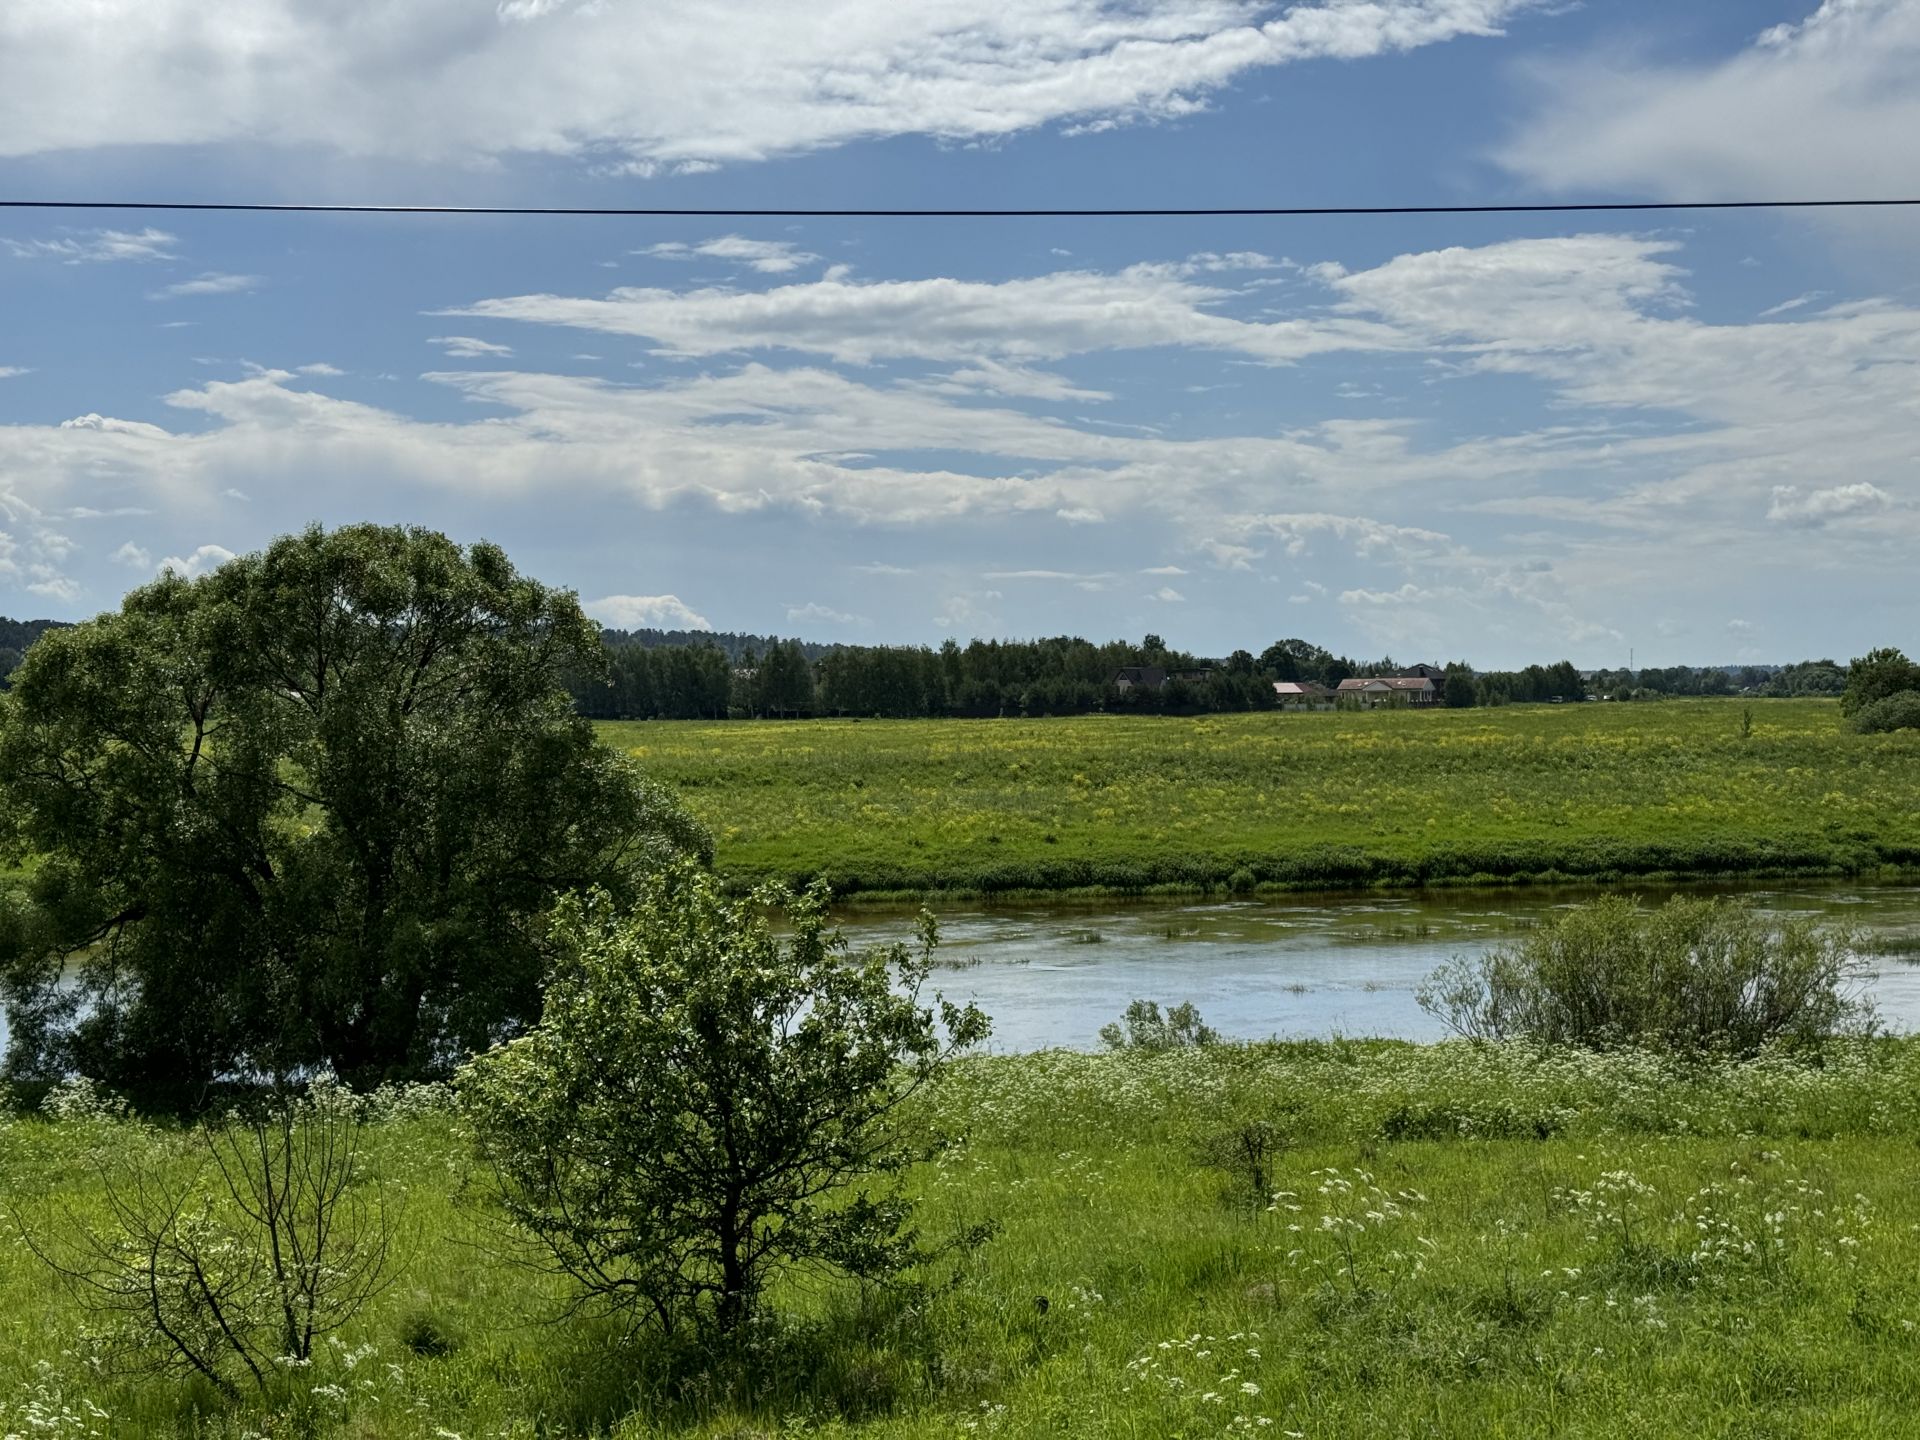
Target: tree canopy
<point>307,810</point>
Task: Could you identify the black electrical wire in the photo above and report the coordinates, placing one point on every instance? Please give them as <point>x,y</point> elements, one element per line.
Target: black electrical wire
<point>744,212</point>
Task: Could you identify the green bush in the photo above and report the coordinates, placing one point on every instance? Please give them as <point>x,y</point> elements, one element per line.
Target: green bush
<point>1899,711</point>
<point>1147,1029</point>
<point>1691,975</point>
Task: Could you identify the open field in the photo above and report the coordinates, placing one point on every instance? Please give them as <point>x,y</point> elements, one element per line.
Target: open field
<point>1465,1242</point>
<point>1577,792</point>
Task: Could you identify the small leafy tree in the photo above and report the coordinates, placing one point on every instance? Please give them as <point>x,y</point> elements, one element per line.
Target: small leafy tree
<point>1691,975</point>
<point>1143,1027</point>
<point>707,1103</point>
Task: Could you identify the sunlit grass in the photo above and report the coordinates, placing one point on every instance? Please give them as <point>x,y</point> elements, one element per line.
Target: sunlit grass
<point>1451,1241</point>
<point>1590,792</point>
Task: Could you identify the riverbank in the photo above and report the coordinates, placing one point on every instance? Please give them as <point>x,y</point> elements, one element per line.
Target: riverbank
<point>1445,1240</point>
<point>1596,794</point>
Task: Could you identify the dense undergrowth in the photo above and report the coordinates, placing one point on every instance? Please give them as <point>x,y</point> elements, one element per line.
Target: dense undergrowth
<point>1444,1240</point>
<point>1592,793</point>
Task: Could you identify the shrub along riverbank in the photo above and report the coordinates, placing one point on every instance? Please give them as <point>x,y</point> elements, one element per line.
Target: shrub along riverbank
<point>1596,792</point>
<point>1450,1240</point>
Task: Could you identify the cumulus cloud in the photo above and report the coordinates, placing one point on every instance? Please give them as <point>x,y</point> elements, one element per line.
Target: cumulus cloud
<point>213,282</point>
<point>637,612</point>
<point>1813,508</point>
<point>466,347</point>
<point>666,84</point>
<point>320,369</point>
<point>769,257</point>
<point>8,372</point>
<point>92,247</point>
<point>1808,108</point>
<point>1167,595</point>
<point>1663,436</point>
<point>203,559</point>
<point>137,556</point>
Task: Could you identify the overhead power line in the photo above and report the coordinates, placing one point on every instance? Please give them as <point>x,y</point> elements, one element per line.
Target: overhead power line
<point>1115,212</point>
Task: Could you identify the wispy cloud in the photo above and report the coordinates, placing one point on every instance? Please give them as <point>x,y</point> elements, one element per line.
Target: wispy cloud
<point>769,257</point>
<point>213,282</point>
<point>93,247</point>
<point>465,347</point>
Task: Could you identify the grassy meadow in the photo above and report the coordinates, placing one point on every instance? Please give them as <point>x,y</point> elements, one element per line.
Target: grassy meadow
<point>1390,798</point>
<point>1447,1241</point>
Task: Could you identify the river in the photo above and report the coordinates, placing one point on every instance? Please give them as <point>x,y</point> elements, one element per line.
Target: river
<point>1052,974</point>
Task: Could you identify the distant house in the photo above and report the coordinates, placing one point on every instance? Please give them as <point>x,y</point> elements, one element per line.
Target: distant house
<point>1140,677</point>
<point>1191,677</point>
<point>1302,695</point>
<point>1374,691</point>
<point>1424,672</point>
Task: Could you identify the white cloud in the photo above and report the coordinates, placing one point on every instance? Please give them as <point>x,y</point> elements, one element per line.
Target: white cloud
<point>638,612</point>
<point>1408,594</point>
<point>1812,508</point>
<point>881,568</point>
<point>92,247</point>
<point>669,84</point>
<point>8,372</point>
<point>1163,570</point>
<point>1809,109</point>
<point>207,557</point>
<point>137,556</point>
<point>213,282</point>
<point>1166,594</point>
<point>1017,322</point>
<point>814,613</point>
<point>769,257</point>
<point>321,369</point>
<point>465,347</point>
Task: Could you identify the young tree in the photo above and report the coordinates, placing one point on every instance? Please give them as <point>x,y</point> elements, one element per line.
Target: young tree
<point>307,810</point>
<point>706,1102</point>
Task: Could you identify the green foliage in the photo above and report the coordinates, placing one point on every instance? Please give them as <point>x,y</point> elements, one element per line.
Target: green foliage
<point>1597,792</point>
<point>1699,1247</point>
<point>1691,975</point>
<point>1899,711</point>
<point>304,811</point>
<point>706,1102</point>
<point>1145,1030</point>
<point>1876,676</point>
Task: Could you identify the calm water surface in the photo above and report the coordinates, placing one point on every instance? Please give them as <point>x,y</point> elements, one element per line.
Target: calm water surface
<point>1053,974</point>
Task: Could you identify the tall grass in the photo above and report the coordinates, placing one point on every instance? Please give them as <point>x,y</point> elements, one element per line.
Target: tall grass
<point>1456,1240</point>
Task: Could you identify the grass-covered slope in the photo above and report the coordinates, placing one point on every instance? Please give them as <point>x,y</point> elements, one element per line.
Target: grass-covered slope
<point>1594,791</point>
<point>1448,1241</point>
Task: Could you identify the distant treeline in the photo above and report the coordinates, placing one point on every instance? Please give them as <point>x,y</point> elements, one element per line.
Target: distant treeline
<point>699,675</point>
<point>712,675</point>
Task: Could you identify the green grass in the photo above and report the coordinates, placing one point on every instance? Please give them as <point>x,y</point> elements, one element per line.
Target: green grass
<point>1487,1242</point>
<point>1578,792</point>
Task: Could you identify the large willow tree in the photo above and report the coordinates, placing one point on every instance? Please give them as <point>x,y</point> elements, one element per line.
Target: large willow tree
<point>309,809</point>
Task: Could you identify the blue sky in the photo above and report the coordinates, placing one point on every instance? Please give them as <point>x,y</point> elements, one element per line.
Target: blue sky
<point>1505,438</point>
